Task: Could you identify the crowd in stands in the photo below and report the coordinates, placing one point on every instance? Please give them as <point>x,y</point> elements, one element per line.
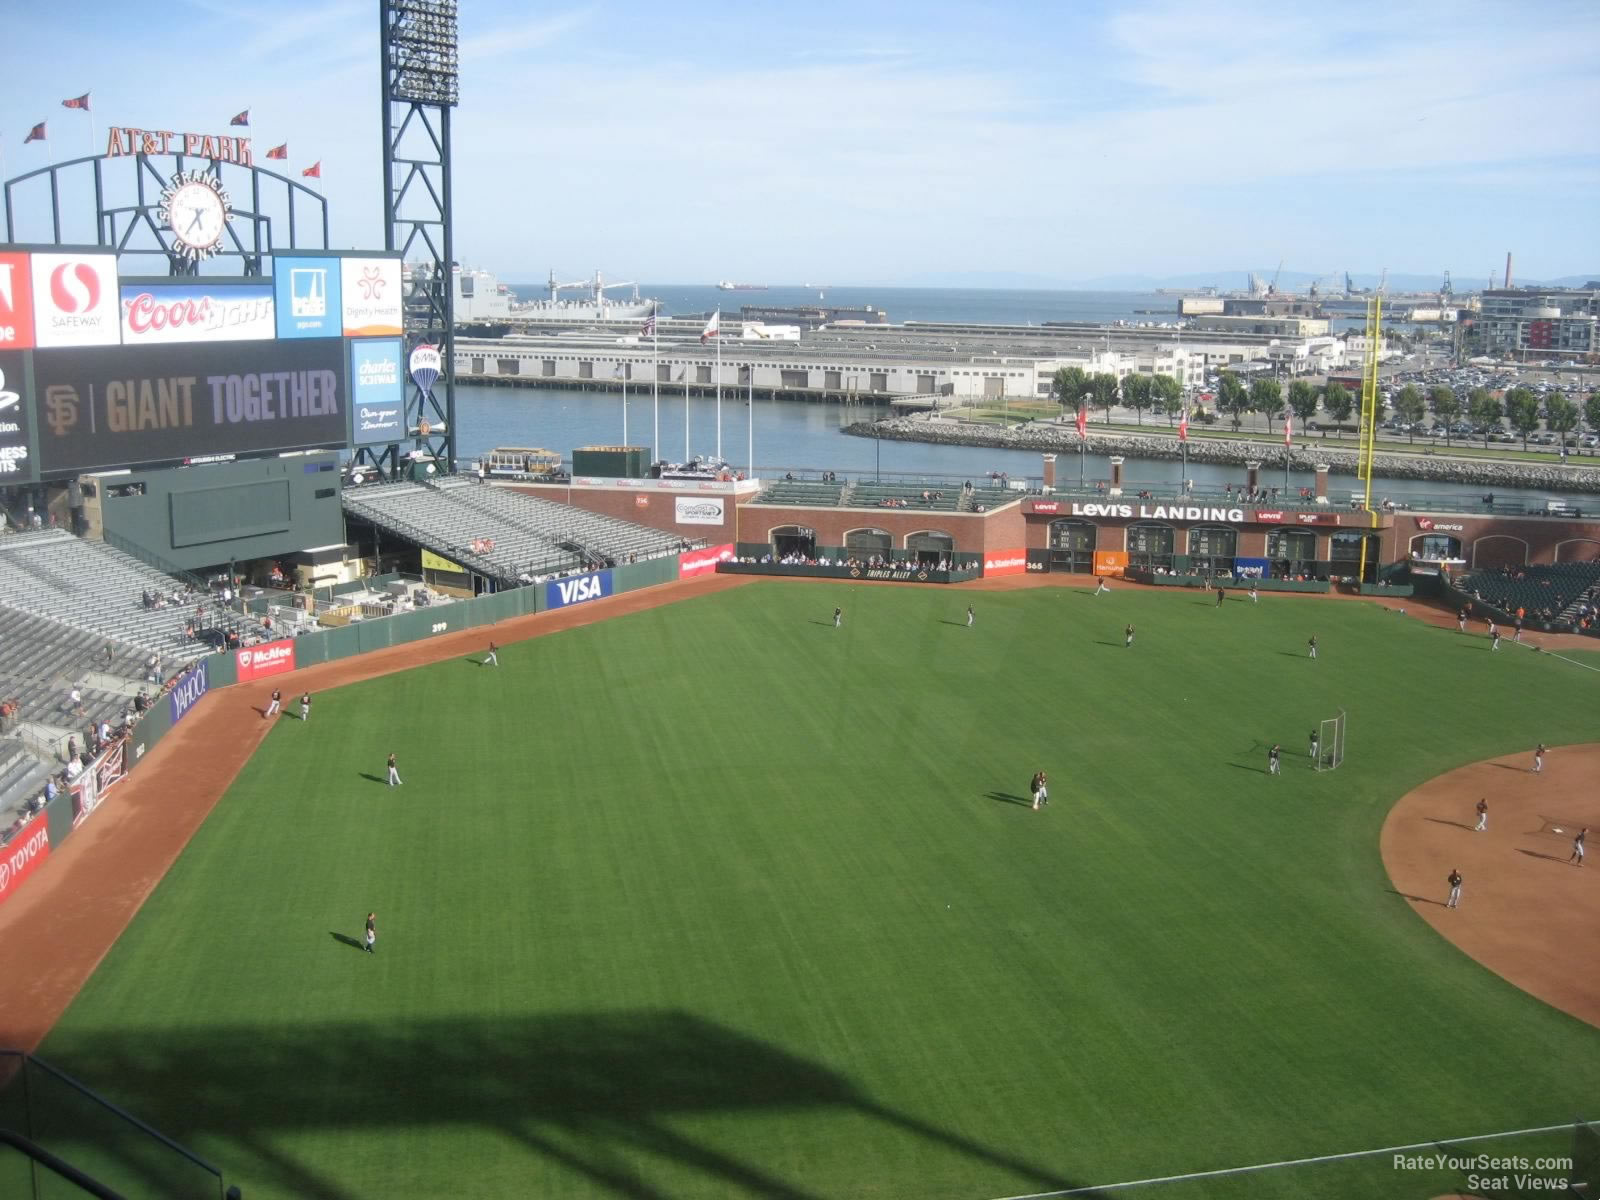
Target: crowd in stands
<point>871,562</point>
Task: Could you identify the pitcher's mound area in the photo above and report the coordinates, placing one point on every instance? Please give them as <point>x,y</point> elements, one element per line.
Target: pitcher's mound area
<point>1526,912</point>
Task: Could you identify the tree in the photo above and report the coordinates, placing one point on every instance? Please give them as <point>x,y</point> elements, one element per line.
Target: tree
<point>1136,393</point>
<point>1412,408</point>
<point>1591,412</point>
<point>1104,389</point>
<point>1338,402</point>
<point>1303,402</point>
<point>1232,397</point>
<point>1266,397</point>
<point>1068,385</point>
<point>1446,406</point>
<point>1484,407</point>
<point>1562,418</point>
<point>1522,407</point>
<point>1169,395</point>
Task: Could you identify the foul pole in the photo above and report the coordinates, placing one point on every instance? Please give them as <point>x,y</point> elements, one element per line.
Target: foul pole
<point>1369,422</point>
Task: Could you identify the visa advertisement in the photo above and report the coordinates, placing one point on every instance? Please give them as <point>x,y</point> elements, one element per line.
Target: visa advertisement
<point>197,312</point>
<point>562,593</point>
<point>377,392</point>
<point>370,293</point>
<point>128,405</point>
<point>306,296</point>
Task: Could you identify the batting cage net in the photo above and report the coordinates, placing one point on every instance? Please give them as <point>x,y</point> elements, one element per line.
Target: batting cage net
<point>1329,751</point>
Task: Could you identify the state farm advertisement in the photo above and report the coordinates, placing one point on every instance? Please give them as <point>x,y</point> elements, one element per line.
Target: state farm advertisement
<point>16,303</point>
<point>21,856</point>
<point>258,662</point>
<point>198,312</point>
<point>150,404</point>
<point>703,562</point>
<point>1005,562</point>
<point>75,300</point>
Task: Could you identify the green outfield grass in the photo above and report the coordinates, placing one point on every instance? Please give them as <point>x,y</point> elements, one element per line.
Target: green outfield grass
<point>716,900</point>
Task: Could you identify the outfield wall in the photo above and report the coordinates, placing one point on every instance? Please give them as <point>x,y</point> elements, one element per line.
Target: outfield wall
<point>257,666</point>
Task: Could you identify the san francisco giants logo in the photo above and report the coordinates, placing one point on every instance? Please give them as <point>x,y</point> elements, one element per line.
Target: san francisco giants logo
<point>61,408</point>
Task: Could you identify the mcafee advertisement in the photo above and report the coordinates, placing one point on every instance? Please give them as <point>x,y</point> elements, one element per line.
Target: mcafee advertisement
<point>271,658</point>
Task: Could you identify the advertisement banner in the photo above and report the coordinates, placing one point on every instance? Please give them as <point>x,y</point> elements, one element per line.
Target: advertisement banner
<point>16,457</point>
<point>697,510</point>
<point>191,685</point>
<point>370,293</point>
<point>1005,562</point>
<point>703,562</point>
<point>21,856</point>
<point>75,300</point>
<point>377,393</point>
<point>1250,568</point>
<point>16,302</point>
<point>1110,562</point>
<point>150,404</point>
<point>90,788</point>
<point>305,294</point>
<point>271,658</point>
<point>560,593</point>
<point>437,562</point>
<point>197,312</point>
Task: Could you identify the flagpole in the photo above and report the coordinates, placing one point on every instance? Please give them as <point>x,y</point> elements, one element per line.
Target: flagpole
<point>750,426</point>
<point>719,391</point>
<point>624,404</point>
<point>655,385</point>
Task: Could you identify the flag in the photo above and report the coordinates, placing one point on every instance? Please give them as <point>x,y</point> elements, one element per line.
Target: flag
<point>241,118</point>
<point>1288,432</point>
<point>1183,428</point>
<point>1083,421</point>
<point>649,329</point>
<point>713,327</point>
<point>279,151</point>
<point>77,102</point>
<point>314,171</point>
<point>36,134</point>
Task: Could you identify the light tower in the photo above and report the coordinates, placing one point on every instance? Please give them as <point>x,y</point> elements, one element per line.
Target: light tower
<point>420,87</point>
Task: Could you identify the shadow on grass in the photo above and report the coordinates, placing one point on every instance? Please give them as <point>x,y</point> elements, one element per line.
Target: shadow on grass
<point>1113,645</point>
<point>826,624</point>
<point>1455,824</point>
<point>374,778</point>
<point>1417,899</point>
<point>1546,857</point>
<point>347,940</point>
<point>598,1098</point>
<point>1008,798</point>
<point>1251,767</point>
<point>942,621</point>
<point>1509,767</point>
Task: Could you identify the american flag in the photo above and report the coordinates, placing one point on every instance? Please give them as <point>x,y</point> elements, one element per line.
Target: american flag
<point>649,329</point>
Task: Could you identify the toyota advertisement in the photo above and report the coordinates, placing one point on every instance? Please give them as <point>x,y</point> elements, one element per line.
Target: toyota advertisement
<point>75,300</point>
<point>377,392</point>
<point>258,662</point>
<point>197,312</point>
<point>133,405</point>
<point>305,294</point>
<point>21,856</point>
<point>16,457</point>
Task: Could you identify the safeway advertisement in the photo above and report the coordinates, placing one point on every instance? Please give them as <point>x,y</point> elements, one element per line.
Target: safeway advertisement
<point>258,662</point>
<point>1005,562</point>
<point>21,856</point>
<point>703,562</point>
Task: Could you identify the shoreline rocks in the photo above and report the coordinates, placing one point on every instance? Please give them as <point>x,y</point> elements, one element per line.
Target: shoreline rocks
<point>1306,455</point>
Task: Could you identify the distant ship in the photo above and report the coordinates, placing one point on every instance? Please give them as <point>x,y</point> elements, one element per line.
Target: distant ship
<point>482,303</point>
<point>596,307</point>
<point>741,287</point>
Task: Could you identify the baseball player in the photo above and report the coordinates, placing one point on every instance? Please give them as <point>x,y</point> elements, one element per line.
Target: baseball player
<point>1494,638</point>
<point>1316,745</point>
<point>1489,621</point>
<point>1538,759</point>
<point>1102,586</point>
<point>1516,630</point>
<point>372,932</point>
<point>1127,637</point>
<point>305,706</point>
<point>492,660</point>
<point>275,705</point>
<point>1255,596</point>
<point>1273,765</point>
<point>1577,846</point>
<point>1483,817</point>
<point>838,617</point>
<point>1454,880</point>
<point>1461,619</point>
<point>1312,645</point>
<point>969,616</point>
<point>1221,596</point>
<point>394,773</point>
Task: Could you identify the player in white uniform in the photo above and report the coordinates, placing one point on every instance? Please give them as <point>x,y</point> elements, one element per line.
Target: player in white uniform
<point>305,706</point>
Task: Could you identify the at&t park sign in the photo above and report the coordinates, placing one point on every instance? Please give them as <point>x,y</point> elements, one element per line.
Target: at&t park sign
<point>122,141</point>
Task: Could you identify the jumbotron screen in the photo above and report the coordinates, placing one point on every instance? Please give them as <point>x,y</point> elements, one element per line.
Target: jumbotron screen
<point>99,372</point>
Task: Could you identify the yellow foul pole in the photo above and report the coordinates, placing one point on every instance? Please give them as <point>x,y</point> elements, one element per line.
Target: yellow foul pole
<point>1369,419</point>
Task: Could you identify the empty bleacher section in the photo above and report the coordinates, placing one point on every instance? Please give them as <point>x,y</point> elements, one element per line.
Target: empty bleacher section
<point>97,588</point>
<point>504,533</point>
<point>931,497</point>
<point>1563,596</point>
<point>813,493</point>
<point>942,495</point>
<point>42,661</point>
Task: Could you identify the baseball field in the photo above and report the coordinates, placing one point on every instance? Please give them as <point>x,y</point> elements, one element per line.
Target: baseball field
<point>717,900</point>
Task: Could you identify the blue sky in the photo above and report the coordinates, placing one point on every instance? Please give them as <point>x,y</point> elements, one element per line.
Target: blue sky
<point>896,142</point>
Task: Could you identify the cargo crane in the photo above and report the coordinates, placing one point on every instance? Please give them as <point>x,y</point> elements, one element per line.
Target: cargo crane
<point>596,286</point>
<point>1272,288</point>
<point>1445,289</point>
